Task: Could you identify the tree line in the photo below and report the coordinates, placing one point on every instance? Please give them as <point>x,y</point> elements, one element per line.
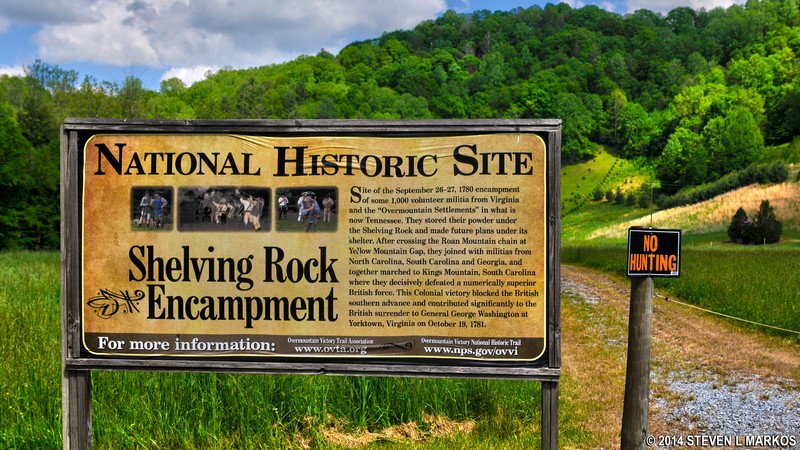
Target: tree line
<point>693,94</point>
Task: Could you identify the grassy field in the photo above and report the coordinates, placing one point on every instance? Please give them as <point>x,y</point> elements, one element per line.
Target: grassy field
<point>756,283</point>
<point>292,225</point>
<point>195,410</point>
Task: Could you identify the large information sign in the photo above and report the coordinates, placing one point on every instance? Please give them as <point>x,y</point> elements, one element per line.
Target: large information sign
<point>273,241</point>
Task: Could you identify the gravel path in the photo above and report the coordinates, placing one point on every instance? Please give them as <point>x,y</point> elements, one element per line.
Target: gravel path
<point>736,408</point>
<point>708,391</point>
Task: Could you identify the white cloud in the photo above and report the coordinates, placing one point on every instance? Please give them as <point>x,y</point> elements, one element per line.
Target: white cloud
<point>189,75</point>
<point>13,71</point>
<point>665,6</point>
<point>246,33</point>
<point>107,36</point>
<point>577,4</point>
<point>608,6</point>
<point>574,4</point>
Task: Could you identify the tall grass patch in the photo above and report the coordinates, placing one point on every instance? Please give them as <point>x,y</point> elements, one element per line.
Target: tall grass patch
<point>187,410</point>
<point>30,351</point>
<point>751,283</point>
<point>192,410</point>
<point>755,283</point>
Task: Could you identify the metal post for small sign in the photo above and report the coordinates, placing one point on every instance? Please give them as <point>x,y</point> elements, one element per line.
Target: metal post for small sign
<point>651,252</point>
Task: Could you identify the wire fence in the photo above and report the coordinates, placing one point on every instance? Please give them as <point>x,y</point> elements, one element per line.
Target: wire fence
<point>725,315</point>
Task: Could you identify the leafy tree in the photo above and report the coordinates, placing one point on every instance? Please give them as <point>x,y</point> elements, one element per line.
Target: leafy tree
<point>170,105</point>
<point>327,109</point>
<point>784,112</point>
<point>36,118</point>
<point>696,64</point>
<point>357,53</point>
<point>94,99</point>
<point>617,102</point>
<point>579,120</point>
<point>15,180</point>
<point>644,198</point>
<point>409,107</point>
<point>681,20</point>
<point>764,229</point>
<point>736,229</point>
<point>767,227</point>
<point>734,142</point>
<point>251,96</point>
<point>132,98</point>
<point>637,129</point>
<point>684,161</point>
<point>619,196</point>
<point>41,225</point>
<point>52,77</point>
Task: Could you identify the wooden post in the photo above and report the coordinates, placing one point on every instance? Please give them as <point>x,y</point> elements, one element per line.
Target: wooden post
<point>637,375</point>
<point>76,392</point>
<point>76,387</point>
<point>550,415</point>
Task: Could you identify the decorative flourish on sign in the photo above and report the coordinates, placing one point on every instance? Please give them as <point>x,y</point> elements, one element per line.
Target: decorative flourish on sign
<point>401,346</point>
<point>108,303</point>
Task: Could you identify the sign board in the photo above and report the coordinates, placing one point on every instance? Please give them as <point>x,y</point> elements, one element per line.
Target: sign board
<point>314,245</point>
<point>654,252</point>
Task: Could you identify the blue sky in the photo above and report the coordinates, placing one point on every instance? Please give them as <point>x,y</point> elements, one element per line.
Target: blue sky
<point>159,39</point>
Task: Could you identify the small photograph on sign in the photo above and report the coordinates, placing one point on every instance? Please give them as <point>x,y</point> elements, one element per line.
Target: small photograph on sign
<point>223,208</point>
<point>308,210</point>
<point>151,208</point>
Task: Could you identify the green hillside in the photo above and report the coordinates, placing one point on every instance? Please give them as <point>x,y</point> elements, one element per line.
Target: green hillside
<point>581,213</point>
<point>602,172</point>
<point>692,95</point>
<point>590,221</point>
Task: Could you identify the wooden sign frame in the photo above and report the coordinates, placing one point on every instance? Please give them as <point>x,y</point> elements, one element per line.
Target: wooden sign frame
<point>79,360</point>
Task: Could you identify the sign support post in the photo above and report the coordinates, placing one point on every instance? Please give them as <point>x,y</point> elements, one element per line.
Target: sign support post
<point>651,252</point>
<point>637,375</point>
<point>549,415</point>
<point>76,390</point>
<point>76,385</point>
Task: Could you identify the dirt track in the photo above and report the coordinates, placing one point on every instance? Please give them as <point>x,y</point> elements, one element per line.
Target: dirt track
<point>695,357</point>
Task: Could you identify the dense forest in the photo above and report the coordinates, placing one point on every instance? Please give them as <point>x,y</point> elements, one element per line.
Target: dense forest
<point>693,94</point>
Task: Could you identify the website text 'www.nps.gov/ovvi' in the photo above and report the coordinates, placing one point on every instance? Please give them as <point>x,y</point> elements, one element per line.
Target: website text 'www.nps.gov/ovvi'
<point>470,351</point>
<point>437,350</point>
